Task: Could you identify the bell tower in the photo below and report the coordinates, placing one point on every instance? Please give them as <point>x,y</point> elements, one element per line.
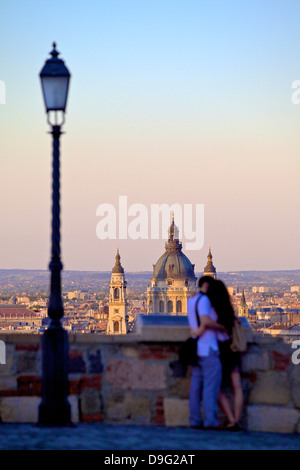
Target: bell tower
<point>209,269</point>
<point>243,307</point>
<point>117,314</point>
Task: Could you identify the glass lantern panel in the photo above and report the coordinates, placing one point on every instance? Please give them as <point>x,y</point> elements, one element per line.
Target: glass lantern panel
<point>55,91</point>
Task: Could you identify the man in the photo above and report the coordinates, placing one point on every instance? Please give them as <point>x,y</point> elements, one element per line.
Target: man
<point>207,375</point>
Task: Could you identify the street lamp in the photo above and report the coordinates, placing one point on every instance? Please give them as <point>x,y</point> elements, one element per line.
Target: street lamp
<point>55,408</point>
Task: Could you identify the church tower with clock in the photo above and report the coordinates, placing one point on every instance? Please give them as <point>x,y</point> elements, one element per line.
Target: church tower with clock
<point>117,305</point>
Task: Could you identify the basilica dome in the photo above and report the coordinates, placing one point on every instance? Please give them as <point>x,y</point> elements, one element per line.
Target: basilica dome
<point>173,264</point>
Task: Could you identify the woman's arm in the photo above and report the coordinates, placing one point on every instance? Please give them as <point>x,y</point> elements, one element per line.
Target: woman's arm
<point>198,331</point>
<point>207,322</point>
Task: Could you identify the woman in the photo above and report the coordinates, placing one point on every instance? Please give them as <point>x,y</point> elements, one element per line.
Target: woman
<point>230,360</point>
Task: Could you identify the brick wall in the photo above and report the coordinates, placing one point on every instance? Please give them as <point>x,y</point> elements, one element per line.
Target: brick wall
<point>137,379</point>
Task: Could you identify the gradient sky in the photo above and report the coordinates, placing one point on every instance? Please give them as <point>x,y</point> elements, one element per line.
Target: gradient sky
<point>170,102</point>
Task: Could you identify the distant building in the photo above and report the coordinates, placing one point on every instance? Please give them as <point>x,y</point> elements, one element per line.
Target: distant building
<point>233,290</point>
<point>72,295</point>
<point>77,294</point>
<point>173,280</point>
<point>40,302</point>
<point>264,313</point>
<point>295,288</point>
<point>279,318</point>
<point>102,313</point>
<point>260,289</point>
<point>137,304</point>
<point>294,316</point>
<point>105,309</point>
<point>18,315</point>
<point>117,316</point>
<point>23,300</point>
<point>243,308</point>
<point>84,296</point>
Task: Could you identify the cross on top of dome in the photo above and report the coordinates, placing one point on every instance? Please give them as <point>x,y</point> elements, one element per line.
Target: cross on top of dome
<point>173,230</point>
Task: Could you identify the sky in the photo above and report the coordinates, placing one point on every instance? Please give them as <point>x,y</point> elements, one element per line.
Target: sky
<point>170,102</point>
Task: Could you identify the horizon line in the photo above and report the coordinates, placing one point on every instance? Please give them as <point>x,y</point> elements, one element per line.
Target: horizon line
<point>232,271</point>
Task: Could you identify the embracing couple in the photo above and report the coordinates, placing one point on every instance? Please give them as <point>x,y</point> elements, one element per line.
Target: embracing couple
<point>217,364</point>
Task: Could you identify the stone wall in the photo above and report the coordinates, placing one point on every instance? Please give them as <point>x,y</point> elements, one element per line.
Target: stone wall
<point>137,379</point>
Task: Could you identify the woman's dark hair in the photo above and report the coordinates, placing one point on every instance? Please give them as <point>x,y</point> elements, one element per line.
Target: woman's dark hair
<point>204,279</point>
<point>220,300</point>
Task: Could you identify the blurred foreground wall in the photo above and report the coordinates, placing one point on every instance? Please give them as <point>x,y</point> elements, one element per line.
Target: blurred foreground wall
<point>137,379</point>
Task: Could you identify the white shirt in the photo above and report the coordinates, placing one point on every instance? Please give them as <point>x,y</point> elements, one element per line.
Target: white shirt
<point>222,336</point>
<point>209,338</point>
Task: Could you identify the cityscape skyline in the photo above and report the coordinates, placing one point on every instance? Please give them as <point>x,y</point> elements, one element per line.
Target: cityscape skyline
<point>168,103</point>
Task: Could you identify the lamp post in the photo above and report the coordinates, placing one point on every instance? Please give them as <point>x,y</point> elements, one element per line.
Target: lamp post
<point>54,408</point>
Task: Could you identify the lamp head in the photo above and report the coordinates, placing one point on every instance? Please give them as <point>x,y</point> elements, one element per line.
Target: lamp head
<point>55,79</point>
